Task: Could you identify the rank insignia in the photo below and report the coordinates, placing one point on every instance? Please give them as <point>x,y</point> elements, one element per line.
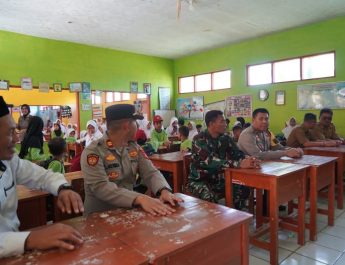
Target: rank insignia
<point>113,175</point>
<point>133,154</point>
<point>92,159</point>
<point>109,143</point>
<point>110,157</point>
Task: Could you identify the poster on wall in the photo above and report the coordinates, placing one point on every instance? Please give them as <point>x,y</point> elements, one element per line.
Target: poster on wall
<point>238,106</point>
<point>164,97</point>
<point>75,87</point>
<point>138,105</point>
<point>318,96</point>
<point>26,83</point>
<point>86,91</point>
<point>85,107</point>
<point>191,108</point>
<point>97,111</point>
<point>43,87</point>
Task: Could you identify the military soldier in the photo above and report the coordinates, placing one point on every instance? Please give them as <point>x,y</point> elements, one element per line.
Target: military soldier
<point>112,164</point>
<point>212,151</point>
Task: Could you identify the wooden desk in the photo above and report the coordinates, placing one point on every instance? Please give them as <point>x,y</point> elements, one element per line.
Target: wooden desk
<point>284,182</point>
<point>67,166</point>
<point>171,162</point>
<point>336,152</point>
<point>198,232</point>
<point>32,207</point>
<point>321,174</point>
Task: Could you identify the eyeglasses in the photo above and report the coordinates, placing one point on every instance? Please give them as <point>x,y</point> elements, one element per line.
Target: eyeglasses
<point>327,118</point>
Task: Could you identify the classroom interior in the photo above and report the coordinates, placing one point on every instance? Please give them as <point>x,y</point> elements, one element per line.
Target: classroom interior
<point>111,72</point>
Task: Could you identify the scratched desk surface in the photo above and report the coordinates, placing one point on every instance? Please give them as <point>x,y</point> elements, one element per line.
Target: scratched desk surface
<point>113,235</point>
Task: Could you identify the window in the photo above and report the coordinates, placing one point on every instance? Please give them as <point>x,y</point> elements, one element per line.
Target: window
<point>109,97</point>
<point>221,80</point>
<point>203,82</point>
<point>141,96</point>
<point>96,98</point>
<point>126,96</point>
<point>186,84</point>
<point>260,74</point>
<point>117,96</point>
<point>311,66</point>
<point>288,70</point>
<point>93,98</point>
<point>318,66</point>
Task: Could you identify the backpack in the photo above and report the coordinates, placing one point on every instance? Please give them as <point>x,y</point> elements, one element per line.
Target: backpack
<point>45,163</point>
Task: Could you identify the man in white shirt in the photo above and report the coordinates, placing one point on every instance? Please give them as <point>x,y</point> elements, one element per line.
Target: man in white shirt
<point>13,171</point>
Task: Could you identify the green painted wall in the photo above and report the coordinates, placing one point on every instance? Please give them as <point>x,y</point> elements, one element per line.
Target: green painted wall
<point>315,38</point>
<point>57,61</point>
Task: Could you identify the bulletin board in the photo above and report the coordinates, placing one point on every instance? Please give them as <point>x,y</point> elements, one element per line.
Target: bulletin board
<point>238,106</point>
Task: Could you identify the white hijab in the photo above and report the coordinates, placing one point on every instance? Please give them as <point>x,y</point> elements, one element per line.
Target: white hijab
<point>143,125</point>
<point>193,131</point>
<point>170,129</point>
<point>288,129</point>
<point>90,138</point>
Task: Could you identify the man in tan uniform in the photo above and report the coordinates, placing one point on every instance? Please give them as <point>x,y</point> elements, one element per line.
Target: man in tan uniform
<point>325,128</point>
<point>305,135</point>
<point>111,165</point>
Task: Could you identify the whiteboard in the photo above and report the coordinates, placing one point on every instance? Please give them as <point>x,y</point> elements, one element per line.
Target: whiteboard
<point>166,114</point>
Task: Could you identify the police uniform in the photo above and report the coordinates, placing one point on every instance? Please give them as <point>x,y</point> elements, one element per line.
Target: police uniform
<point>326,132</point>
<point>209,158</point>
<point>299,136</point>
<point>260,144</point>
<point>110,172</point>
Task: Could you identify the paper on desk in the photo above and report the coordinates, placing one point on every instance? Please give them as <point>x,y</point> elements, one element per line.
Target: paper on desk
<point>286,158</point>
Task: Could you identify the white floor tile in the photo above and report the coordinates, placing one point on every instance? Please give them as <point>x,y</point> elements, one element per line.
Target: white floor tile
<point>319,253</point>
<point>296,259</point>
<point>340,221</point>
<point>255,261</point>
<point>337,231</point>
<point>341,261</point>
<point>263,254</point>
<point>329,241</point>
<point>288,240</point>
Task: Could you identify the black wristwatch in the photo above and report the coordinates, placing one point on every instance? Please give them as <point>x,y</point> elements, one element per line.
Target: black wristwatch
<point>64,186</point>
<point>158,194</point>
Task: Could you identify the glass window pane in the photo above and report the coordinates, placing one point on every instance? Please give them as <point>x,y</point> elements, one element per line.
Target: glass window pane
<point>126,96</point>
<point>109,97</point>
<point>141,96</point>
<point>318,66</point>
<point>288,70</point>
<point>98,99</point>
<point>93,98</point>
<point>203,82</point>
<point>260,74</point>
<point>117,96</point>
<point>221,80</point>
<point>186,84</point>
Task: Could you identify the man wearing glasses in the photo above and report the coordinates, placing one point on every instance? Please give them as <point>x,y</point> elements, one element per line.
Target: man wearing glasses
<point>325,128</point>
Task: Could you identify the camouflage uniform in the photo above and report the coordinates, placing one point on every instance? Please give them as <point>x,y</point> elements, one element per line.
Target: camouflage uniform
<point>209,158</point>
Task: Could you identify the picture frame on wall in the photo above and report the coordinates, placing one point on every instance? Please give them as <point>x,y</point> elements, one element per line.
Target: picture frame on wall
<point>280,97</point>
<point>75,87</point>
<point>134,87</point>
<point>147,88</point>
<point>57,87</point>
<point>26,83</point>
<point>4,84</point>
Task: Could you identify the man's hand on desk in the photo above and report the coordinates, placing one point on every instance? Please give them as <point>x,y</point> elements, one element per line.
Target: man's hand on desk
<point>53,236</point>
<point>68,200</point>
<point>153,206</point>
<point>167,196</point>
<point>250,162</point>
<point>294,152</point>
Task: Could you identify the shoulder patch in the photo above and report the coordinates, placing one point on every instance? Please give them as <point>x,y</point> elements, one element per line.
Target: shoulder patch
<point>133,153</point>
<point>113,175</point>
<point>109,143</point>
<point>110,157</point>
<point>92,159</point>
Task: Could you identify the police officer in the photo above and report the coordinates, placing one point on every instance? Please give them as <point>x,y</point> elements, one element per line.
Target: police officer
<point>14,170</point>
<point>112,164</point>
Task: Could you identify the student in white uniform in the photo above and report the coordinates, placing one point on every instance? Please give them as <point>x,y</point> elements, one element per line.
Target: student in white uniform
<point>13,171</point>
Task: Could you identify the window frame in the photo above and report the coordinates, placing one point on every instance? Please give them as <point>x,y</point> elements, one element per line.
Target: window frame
<point>287,59</point>
<point>211,73</point>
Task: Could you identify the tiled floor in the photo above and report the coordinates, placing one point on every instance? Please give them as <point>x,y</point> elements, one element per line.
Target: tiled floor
<point>328,249</point>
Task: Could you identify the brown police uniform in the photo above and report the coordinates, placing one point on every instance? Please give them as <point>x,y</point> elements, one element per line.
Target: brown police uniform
<point>110,173</point>
<point>299,136</point>
<point>328,132</point>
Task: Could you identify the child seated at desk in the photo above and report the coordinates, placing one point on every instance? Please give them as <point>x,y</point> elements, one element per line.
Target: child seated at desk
<point>57,147</point>
<point>186,144</point>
